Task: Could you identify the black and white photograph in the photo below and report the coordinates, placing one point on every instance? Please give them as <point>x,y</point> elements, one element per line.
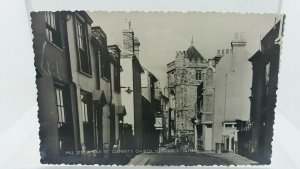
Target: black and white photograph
<point>156,88</point>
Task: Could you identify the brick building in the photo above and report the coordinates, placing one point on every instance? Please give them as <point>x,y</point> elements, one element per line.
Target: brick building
<point>184,84</point>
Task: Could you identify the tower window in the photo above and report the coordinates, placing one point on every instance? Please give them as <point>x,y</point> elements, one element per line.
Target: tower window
<point>198,74</point>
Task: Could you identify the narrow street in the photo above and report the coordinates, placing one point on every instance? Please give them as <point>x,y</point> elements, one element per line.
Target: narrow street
<point>202,158</point>
<point>177,159</point>
<point>168,156</point>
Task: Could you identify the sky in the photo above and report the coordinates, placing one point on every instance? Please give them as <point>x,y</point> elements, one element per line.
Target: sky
<point>162,34</point>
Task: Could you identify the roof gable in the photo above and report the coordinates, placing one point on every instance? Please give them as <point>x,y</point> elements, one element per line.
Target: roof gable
<point>192,52</point>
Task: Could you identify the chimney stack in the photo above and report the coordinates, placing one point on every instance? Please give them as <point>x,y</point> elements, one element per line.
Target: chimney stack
<point>238,49</point>
<point>128,37</point>
<point>238,40</point>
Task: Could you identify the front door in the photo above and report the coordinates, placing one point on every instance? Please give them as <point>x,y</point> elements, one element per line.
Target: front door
<point>98,127</point>
<point>226,143</point>
<point>87,110</point>
<point>65,119</point>
<point>112,126</point>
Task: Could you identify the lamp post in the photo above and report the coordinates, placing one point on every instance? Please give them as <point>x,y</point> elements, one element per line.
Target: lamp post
<point>195,120</point>
<point>159,126</point>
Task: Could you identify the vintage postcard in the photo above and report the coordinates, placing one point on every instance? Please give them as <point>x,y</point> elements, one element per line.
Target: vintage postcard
<point>156,88</point>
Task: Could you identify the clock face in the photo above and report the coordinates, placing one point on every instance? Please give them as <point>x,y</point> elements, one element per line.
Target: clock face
<point>158,122</point>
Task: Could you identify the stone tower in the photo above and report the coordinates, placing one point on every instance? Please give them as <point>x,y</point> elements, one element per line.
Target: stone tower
<point>185,82</point>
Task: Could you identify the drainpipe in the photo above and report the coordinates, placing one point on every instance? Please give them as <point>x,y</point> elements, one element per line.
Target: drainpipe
<point>110,103</point>
<point>195,129</point>
<point>225,100</point>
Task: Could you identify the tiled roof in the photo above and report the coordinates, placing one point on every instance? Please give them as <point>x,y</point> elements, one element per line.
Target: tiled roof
<point>192,52</point>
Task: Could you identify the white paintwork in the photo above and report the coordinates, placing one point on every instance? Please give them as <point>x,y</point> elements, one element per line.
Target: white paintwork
<point>127,81</point>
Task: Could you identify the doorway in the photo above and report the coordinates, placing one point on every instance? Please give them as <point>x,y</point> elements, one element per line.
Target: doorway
<point>226,143</point>
<point>98,127</point>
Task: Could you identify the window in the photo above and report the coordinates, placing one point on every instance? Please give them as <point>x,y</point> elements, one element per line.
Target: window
<point>267,73</point>
<point>52,28</point>
<point>265,99</point>
<point>218,52</point>
<point>223,51</point>
<point>267,77</point>
<point>198,74</point>
<point>60,106</point>
<point>227,51</point>
<point>105,65</point>
<point>84,59</point>
<point>84,107</point>
<point>172,77</point>
<point>117,77</point>
<point>228,125</point>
